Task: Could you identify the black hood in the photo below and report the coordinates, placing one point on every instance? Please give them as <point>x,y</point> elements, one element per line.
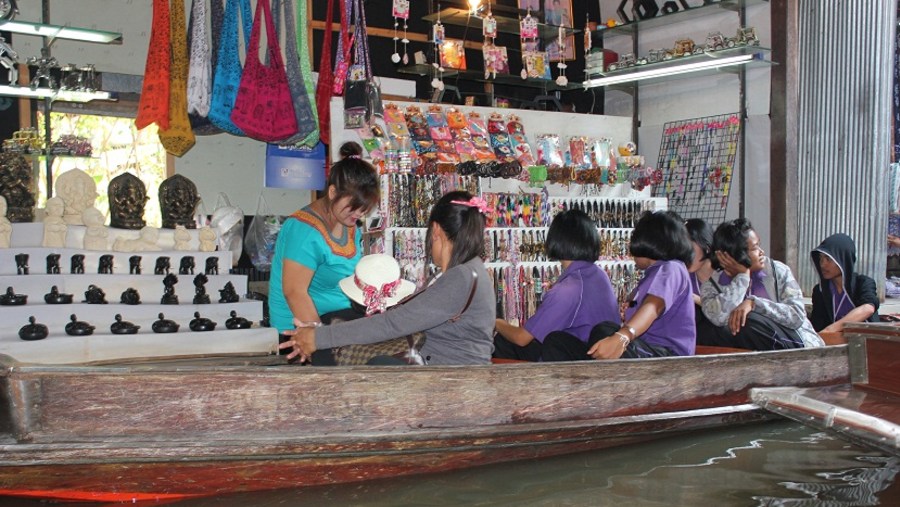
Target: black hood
<point>842,250</point>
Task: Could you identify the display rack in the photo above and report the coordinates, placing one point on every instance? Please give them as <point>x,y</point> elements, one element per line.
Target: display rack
<point>693,13</point>
<point>698,157</point>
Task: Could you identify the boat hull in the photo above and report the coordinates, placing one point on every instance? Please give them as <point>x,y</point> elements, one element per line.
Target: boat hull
<point>158,432</point>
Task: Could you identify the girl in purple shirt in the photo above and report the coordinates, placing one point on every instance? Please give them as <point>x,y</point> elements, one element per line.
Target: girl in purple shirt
<point>659,317</point>
<point>581,298</point>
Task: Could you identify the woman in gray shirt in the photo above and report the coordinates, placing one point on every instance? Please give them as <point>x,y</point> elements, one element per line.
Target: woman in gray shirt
<point>456,311</point>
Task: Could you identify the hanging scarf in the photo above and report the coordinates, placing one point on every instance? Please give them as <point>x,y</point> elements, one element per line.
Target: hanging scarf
<point>178,138</point>
<point>326,79</point>
<point>200,122</point>
<point>154,103</point>
<point>295,42</point>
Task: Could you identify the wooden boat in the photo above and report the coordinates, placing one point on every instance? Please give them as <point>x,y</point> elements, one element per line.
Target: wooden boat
<point>158,431</point>
<point>865,411</point>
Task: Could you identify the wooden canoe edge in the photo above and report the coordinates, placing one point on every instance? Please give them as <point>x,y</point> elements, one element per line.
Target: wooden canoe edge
<point>802,405</point>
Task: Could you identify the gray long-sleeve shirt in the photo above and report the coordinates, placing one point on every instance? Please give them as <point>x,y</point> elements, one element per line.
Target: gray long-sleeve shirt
<point>468,340</point>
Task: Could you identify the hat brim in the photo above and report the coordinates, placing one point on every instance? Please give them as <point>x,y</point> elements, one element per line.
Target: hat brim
<point>348,286</point>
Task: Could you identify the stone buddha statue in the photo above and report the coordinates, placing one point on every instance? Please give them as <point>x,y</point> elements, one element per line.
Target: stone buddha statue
<point>127,197</point>
<point>178,200</point>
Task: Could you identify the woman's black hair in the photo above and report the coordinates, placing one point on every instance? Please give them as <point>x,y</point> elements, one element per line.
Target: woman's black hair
<point>661,236</point>
<point>702,234</point>
<point>356,178</point>
<point>463,225</point>
<point>572,237</point>
<point>350,149</point>
<point>731,238</point>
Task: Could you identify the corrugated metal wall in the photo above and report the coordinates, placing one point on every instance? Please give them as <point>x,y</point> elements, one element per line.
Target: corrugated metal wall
<point>845,55</point>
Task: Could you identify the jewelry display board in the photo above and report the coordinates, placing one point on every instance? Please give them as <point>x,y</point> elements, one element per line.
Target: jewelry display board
<point>697,158</point>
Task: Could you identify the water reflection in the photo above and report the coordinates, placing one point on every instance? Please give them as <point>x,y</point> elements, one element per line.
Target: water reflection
<point>780,464</point>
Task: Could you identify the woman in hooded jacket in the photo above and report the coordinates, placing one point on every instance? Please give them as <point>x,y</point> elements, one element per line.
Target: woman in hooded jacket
<point>842,295</point>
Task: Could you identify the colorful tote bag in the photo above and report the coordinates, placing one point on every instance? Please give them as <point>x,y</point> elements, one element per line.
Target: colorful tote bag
<point>263,108</point>
<point>227,78</point>
<point>202,62</point>
<point>299,77</point>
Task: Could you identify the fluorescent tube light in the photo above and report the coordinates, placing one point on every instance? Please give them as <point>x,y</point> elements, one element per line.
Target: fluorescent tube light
<point>61,32</point>
<point>712,63</point>
<point>44,93</point>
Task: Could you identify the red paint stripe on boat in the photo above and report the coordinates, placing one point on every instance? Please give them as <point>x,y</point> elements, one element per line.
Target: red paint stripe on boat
<point>93,496</point>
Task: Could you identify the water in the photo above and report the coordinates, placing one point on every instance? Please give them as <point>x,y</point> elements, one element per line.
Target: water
<point>777,464</point>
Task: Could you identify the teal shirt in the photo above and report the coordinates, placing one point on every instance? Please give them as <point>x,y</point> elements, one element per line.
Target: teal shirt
<point>304,239</point>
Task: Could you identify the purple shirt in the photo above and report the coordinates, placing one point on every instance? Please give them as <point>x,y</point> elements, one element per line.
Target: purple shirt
<point>675,328</point>
<point>841,303</point>
<point>582,298</point>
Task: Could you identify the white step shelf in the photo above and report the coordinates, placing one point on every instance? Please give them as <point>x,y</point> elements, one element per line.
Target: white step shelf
<point>60,348</point>
<point>37,260</point>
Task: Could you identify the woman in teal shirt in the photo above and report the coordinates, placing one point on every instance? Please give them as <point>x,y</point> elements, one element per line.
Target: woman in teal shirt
<point>320,244</point>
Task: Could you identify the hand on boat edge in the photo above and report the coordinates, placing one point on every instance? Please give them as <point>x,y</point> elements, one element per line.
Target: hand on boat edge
<point>302,342</point>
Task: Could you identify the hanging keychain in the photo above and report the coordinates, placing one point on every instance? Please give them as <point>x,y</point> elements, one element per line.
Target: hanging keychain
<point>528,32</point>
<point>562,80</point>
<point>437,32</point>
<point>401,11</point>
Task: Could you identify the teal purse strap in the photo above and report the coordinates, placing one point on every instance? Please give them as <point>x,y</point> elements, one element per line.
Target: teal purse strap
<point>228,67</point>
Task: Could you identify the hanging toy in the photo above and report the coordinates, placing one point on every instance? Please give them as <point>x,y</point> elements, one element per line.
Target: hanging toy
<point>528,32</point>
<point>588,43</point>
<point>400,11</point>
<point>437,34</point>
<point>562,80</point>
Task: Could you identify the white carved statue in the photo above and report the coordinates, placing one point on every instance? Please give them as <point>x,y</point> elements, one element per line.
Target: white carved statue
<point>5,225</point>
<point>96,235</point>
<point>207,239</point>
<point>182,238</point>
<point>146,242</point>
<point>54,226</point>
<point>78,190</point>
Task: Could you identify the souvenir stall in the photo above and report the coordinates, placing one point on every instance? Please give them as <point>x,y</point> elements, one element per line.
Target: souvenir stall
<point>528,165</point>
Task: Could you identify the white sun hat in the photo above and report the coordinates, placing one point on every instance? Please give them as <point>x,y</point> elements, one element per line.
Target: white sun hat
<point>376,283</point>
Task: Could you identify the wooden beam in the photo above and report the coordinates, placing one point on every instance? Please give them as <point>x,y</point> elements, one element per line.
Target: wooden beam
<point>388,33</point>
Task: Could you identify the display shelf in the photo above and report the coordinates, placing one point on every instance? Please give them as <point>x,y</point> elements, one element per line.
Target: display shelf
<point>37,258</point>
<point>60,32</point>
<point>704,64</point>
<point>682,15</point>
<point>505,24</point>
<point>478,76</point>
<point>59,348</point>
<point>55,317</point>
<point>150,287</point>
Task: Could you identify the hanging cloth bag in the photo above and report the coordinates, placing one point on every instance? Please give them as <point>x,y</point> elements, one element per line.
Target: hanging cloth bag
<point>295,44</point>
<point>263,108</point>
<point>362,97</point>
<point>345,45</point>
<point>326,79</point>
<point>200,64</point>
<point>154,104</point>
<point>178,138</point>
<point>227,78</point>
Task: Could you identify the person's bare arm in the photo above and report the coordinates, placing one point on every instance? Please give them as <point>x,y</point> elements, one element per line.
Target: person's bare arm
<point>513,334</point>
<point>295,280</point>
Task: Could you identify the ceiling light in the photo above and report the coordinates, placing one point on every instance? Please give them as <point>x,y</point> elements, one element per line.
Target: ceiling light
<point>50,93</point>
<point>61,32</point>
<point>671,70</point>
